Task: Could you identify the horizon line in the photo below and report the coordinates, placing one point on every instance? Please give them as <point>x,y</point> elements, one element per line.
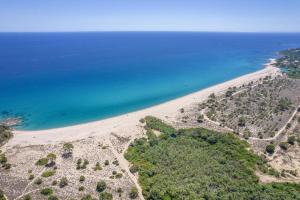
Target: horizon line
<point>158,31</point>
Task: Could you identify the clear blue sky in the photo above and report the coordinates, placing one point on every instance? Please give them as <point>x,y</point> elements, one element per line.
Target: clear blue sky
<point>150,15</point>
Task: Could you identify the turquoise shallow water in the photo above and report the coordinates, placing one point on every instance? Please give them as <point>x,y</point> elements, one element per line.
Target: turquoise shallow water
<point>60,79</point>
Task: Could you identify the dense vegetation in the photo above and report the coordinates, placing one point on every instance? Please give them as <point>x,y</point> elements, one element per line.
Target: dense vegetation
<point>5,134</point>
<point>200,164</point>
<point>290,61</point>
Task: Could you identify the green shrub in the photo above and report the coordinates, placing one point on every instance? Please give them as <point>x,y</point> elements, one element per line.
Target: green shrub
<point>2,197</point>
<point>38,181</point>
<point>119,175</point>
<point>116,162</point>
<point>42,162</point>
<point>284,145</point>
<point>106,162</point>
<point>87,197</point>
<point>46,191</point>
<point>48,173</point>
<point>270,148</point>
<point>105,196</point>
<point>101,186</point>
<point>54,182</point>
<point>142,120</point>
<point>52,197</point>
<point>81,179</point>
<point>133,193</point>
<point>133,169</point>
<point>291,140</point>
<point>31,177</point>
<point>97,167</point>
<point>242,121</point>
<point>26,197</point>
<point>5,134</point>
<point>63,182</point>
<point>81,188</point>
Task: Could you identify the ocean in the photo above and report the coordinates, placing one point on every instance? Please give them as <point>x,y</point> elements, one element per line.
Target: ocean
<point>58,79</point>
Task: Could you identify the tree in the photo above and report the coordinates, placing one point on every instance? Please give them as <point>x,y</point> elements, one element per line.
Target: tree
<point>270,148</point>
<point>101,186</point>
<point>133,193</point>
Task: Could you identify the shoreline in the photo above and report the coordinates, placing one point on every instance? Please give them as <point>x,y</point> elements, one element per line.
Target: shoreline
<point>128,125</point>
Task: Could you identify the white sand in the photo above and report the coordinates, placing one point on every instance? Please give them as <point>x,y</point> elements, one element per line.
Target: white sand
<point>128,124</point>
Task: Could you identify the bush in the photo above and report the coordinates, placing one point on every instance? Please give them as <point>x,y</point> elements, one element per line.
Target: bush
<point>38,181</point>
<point>119,175</point>
<point>68,150</point>
<point>105,196</point>
<point>270,148</point>
<point>101,186</point>
<point>133,193</point>
<point>97,167</point>
<point>142,120</point>
<point>242,121</point>
<point>212,140</point>
<point>52,197</point>
<point>26,197</point>
<point>47,174</point>
<point>81,179</point>
<point>42,162</point>
<point>116,162</point>
<point>63,182</point>
<point>2,197</point>
<point>284,145</point>
<point>54,182</point>
<point>5,134</point>
<point>87,197</point>
<point>200,118</point>
<point>291,140</point>
<point>31,177</point>
<point>81,188</point>
<point>46,191</point>
<point>106,162</point>
<point>133,169</point>
<point>6,166</point>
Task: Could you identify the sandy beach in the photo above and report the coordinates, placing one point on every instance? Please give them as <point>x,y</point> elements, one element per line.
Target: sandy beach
<point>128,124</point>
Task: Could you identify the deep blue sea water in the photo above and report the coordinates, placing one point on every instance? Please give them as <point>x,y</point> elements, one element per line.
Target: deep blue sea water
<point>59,79</point>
